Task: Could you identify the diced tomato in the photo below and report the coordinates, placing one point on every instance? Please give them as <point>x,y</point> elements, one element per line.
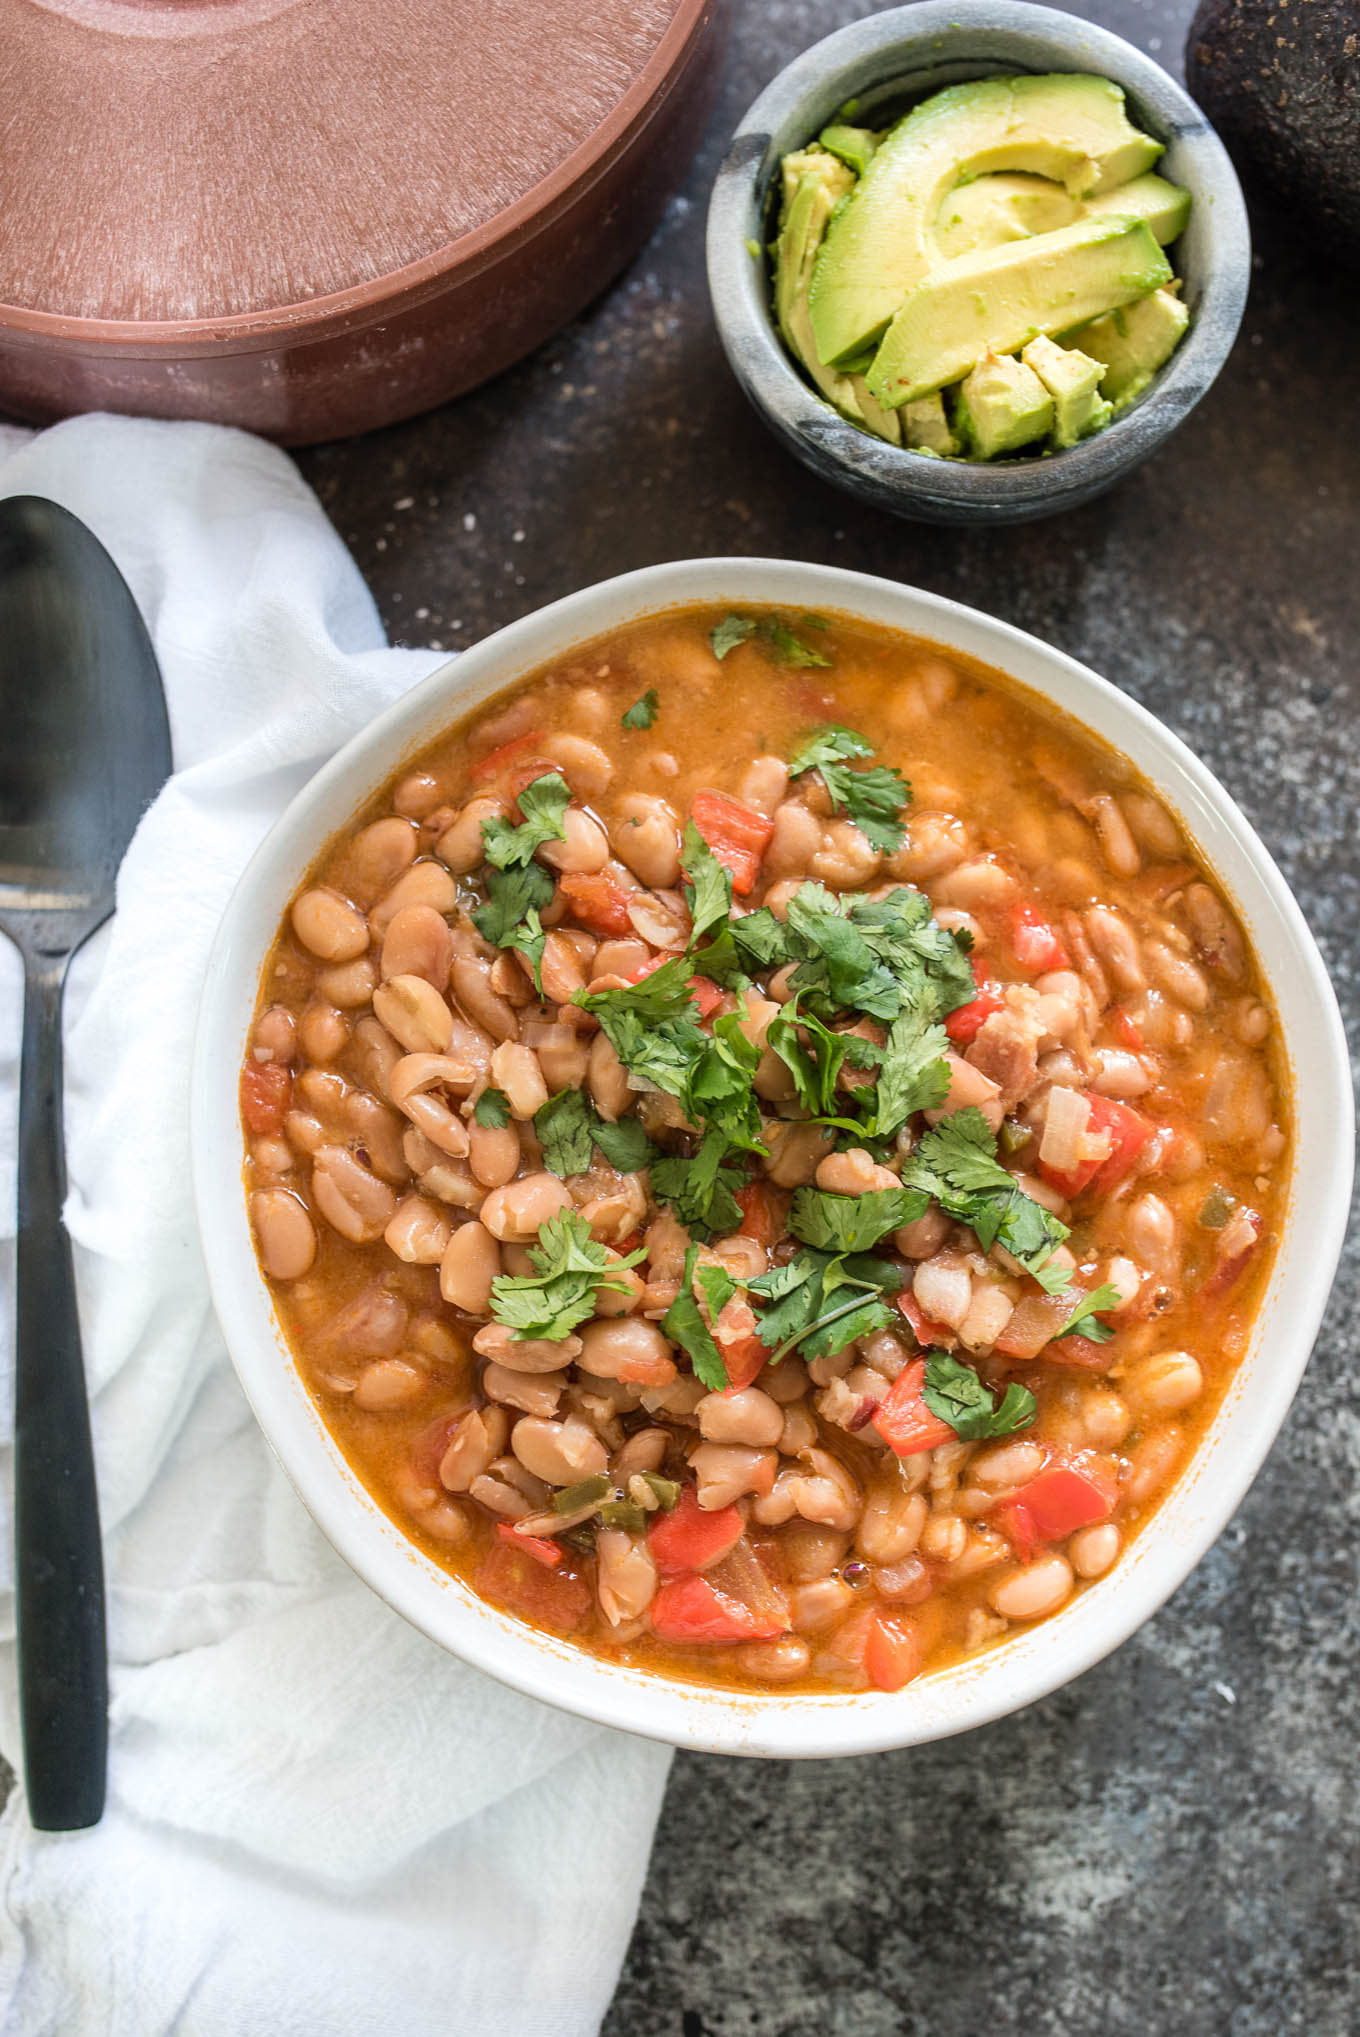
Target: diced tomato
<point>904,1421</point>
<point>964,1024</point>
<point>1037,947</point>
<point>520,775</point>
<point>629,1244</point>
<point>760,1213</point>
<point>540,1547</point>
<point>1065,1497</point>
<point>931,1336</point>
<point>692,1609</point>
<point>427,1449</point>
<point>745,1361</point>
<point>1126,1031</point>
<point>1016,1523</point>
<point>496,760</point>
<point>688,1538</point>
<point>737,835</point>
<point>1128,1133</point>
<point>892,1653</point>
<point>707,994</point>
<point>597,902</point>
<point>510,1577</point>
<point>1082,1352</point>
<point>266,1097</point>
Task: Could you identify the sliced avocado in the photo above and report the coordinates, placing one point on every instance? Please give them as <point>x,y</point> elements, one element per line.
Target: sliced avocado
<point>815,182</point>
<point>1003,405</point>
<point>1003,297</point>
<point>1132,343</point>
<point>1164,206</point>
<point>854,145</point>
<point>1072,379</point>
<point>992,210</point>
<point>925,427</point>
<point>1071,129</point>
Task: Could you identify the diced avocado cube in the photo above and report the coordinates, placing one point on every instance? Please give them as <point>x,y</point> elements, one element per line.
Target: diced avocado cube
<point>1001,406</point>
<point>998,299</point>
<point>925,426</point>
<point>1133,342</point>
<point>1072,379</point>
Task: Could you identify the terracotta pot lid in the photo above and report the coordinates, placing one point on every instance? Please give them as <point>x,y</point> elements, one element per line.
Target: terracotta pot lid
<point>242,165</point>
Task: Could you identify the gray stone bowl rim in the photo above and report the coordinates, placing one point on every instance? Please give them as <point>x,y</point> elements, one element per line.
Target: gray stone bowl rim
<point>868,56</point>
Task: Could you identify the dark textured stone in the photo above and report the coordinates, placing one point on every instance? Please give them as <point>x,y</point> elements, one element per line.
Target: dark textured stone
<point>1168,1845</point>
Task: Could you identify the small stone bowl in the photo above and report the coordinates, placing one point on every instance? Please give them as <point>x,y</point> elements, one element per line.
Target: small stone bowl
<point>888,61</point>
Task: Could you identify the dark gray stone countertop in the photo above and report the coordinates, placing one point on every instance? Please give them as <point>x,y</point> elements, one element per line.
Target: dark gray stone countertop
<point>1169,1844</point>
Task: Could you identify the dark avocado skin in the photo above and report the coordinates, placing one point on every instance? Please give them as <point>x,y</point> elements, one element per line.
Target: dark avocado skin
<point>1280,80</point>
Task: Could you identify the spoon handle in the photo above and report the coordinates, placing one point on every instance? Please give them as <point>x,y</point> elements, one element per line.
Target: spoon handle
<point>59,1569</point>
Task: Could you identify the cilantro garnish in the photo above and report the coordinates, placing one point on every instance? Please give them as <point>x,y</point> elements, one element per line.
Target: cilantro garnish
<point>731,631</point>
<point>790,649</point>
<point>954,1392</point>
<point>787,645</point>
<point>872,799</point>
<point>642,713</point>
<point>702,1190</point>
<point>912,1074</point>
<point>956,1163</point>
<point>1083,1320</point>
<point>570,1268</point>
<point>492,1110</point>
<point>684,1324</point>
<point>514,899</point>
<point>823,1301</point>
<point>710,883</point>
<point>853,1223</point>
<point>568,1126</point>
<point>542,804</point>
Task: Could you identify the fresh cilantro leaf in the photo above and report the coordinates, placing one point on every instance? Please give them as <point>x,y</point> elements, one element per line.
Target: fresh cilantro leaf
<point>790,648</point>
<point>701,1190</point>
<point>731,631</point>
<point>719,1089</point>
<point>542,804</point>
<point>652,1026</point>
<point>1083,1320</point>
<point>492,1110</point>
<point>711,884</point>
<point>913,1074</point>
<point>530,939</point>
<point>814,1055</point>
<point>823,1302</point>
<point>853,1223</point>
<point>625,1144</point>
<point>954,1392</point>
<point>873,799</point>
<point>718,1288</point>
<point>956,1163</point>
<point>764,940</point>
<point>512,895</point>
<point>642,713</point>
<point>842,965</point>
<point>570,1269</point>
<point>684,1324</point>
<point>903,933</point>
<point>563,1125</point>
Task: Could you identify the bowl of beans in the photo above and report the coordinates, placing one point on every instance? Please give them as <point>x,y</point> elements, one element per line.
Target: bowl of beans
<point>770,1152</point>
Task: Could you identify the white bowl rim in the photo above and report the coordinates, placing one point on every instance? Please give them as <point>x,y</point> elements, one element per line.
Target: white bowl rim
<point>1031,1663</point>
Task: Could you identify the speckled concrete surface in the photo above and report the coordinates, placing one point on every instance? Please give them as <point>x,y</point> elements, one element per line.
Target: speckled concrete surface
<point>1169,1845</point>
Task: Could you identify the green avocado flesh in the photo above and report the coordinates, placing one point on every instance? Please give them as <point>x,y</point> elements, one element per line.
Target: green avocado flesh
<point>1072,130</point>
<point>913,265</point>
<point>1000,298</point>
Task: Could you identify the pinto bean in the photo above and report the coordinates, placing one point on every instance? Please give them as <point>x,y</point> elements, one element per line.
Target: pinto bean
<point>525,1354</point>
<point>944,1289</point>
<point>515,1212</point>
<point>1117,845</point>
<point>585,766</point>
<point>726,1471</point>
<point>627,1348</point>
<point>425,883</point>
<point>418,943</point>
<point>853,1173</point>
<point>923,1238</point>
<point>348,984</point>
<point>1164,1383</point>
<point>378,855</point>
<point>561,969</point>
<point>1177,975</point>
<point>415,1014</point>
<point>470,980</point>
<point>1152,1463</point>
<point>1150,1234</point>
<point>559,1453</point>
<point>818,1605</point>
<point>1114,942</point>
<point>935,842</point>
<point>353,1201</point>
<point>608,1080</point>
<point>1092,1551</point>
<point>474,1445</point>
<point>795,1152</point>
<point>515,1070</point>
<point>782,1660</point>
<point>625,1575</point>
<point>328,926</point>
<point>890,1526</point>
<point>323,1032</point>
<point>845,858</point>
<point>389,1385</point>
<point>532,1393</point>
<point>749,1416</point>
<point>417,795</point>
<point>646,838</point>
<point>1029,1594</point>
<point>493,1153</point>
<point>978,885</point>
<point>563,1055</point>
<point>764,783</point>
<point>470,1263</point>
<point>584,849</point>
<point>284,1234</point>
<point>796,840</point>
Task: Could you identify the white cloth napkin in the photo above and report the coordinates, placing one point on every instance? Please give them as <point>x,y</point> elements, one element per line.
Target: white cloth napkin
<point>318,1823</point>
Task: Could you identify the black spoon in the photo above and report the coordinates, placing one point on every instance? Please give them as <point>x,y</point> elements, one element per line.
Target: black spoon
<point>86,747</point>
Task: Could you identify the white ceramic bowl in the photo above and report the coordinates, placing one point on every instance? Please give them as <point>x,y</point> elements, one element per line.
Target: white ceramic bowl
<point>1030,1663</point>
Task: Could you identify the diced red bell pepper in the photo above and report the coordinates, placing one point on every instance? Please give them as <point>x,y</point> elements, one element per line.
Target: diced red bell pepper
<point>1128,1133</point>
<point>597,902</point>
<point>266,1097</point>
<point>1016,1523</point>
<point>706,993</point>
<point>745,1361</point>
<point>1125,1030</point>
<point>1037,947</point>
<point>964,1024</point>
<point>737,835</point>
<point>904,1421</point>
<point>892,1653</point>
<point>692,1609</point>
<point>1082,1352</point>
<point>688,1538</point>
<point>931,1336</point>
<point>540,1547</point>
<point>497,760</point>
<point>510,1577</point>
<point>761,1216</point>
<point>1065,1497</point>
<point>522,774</point>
